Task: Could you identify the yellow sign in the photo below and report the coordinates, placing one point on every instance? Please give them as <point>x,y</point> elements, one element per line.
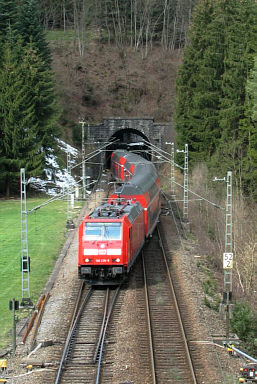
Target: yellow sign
<point>3,363</point>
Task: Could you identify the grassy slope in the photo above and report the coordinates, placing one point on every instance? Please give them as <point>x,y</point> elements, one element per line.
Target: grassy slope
<point>46,234</point>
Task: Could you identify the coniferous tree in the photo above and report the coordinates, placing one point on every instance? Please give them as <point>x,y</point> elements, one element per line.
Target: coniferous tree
<point>240,37</point>
<point>198,84</point>
<point>248,134</point>
<point>42,92</point>
<point>8,14</point>
<point>212,113</point>
<point>20,147</point>
<point>251,88</point>
<point>29,28</point>
<point>28,109</point>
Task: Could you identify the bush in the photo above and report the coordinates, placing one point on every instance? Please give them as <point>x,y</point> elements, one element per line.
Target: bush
<point>244,324</point>
<point>88,97</point>
<point>207,302</point>
<point>209,286</point>
<point>76,134</point>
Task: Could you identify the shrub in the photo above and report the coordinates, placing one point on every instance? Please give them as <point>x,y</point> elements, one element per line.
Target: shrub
<point>209,286</point>
<point>244,324</point>
<point>207,302</point>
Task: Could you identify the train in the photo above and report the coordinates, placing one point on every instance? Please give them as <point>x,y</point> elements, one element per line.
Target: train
<point>113,235</point>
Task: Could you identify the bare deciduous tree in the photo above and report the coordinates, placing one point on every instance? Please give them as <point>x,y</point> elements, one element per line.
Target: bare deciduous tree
<point>208,224</point>
<point>80,11</point>
<point>130,22</point>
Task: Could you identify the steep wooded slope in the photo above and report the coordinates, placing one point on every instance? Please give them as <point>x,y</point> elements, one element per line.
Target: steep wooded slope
<point>109,82</point>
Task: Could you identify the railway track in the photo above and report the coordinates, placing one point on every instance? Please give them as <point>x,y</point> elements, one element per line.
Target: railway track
<point>85,347</point>
<point>165,353</point>
<point>170,360</point>
<point>88,359</point>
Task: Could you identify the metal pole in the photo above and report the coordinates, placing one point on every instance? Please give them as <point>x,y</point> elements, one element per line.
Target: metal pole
<point>185,201</point>
<point>185,205</point>
<point>69,224</point>
<point>228,251</point>
<point>13,328</point>
<point>226,305</point>
<point>172,170</point>
<point>172,179</point>
<point>83,159</point>
<point>25,260</point>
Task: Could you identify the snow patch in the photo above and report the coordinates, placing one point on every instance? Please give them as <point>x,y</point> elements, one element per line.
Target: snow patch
<point>57,179</point>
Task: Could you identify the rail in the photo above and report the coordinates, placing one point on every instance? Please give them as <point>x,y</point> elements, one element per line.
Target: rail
<point>99,350</point>
<point>178,311</point>
<point>169,355</point>
<point>76,336</point>
<point>149,323</point>
<point>72,331</point>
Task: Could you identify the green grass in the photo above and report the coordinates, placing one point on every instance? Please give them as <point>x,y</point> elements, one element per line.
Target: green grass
<point>60,35</point>
<point>69,35</point>
<point>46,235</point>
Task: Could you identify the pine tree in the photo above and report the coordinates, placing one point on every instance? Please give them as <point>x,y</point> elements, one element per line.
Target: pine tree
<point>240,38</point>
<point>20,147</point>
<point>213,109</point>
<point>42,92</point>
<point>198,84</point>
<point>28,109</point>
<point>251,89</point>
<point>29,28</point>
<point>248,135</point>
<point>8,14</point>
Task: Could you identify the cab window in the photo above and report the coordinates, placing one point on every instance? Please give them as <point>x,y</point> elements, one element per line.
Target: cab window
<point>102,231</point>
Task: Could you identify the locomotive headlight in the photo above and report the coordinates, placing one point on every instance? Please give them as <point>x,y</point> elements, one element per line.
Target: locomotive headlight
<point>86,260</point>
<point>118,260</point>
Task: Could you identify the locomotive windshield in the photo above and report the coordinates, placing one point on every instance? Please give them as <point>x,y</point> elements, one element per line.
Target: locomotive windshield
<point>102,231</point>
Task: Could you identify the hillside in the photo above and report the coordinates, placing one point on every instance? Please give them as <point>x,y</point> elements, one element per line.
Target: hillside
<point>108,82</point>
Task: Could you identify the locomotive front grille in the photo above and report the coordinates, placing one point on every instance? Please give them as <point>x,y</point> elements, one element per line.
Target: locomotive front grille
<point>104,272</point>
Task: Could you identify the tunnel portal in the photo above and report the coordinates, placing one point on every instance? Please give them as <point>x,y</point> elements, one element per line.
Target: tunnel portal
<point>131,140</point>
<point>130,133</point>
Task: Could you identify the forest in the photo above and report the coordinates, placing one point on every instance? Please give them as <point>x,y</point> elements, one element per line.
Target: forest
<point>216,104</point>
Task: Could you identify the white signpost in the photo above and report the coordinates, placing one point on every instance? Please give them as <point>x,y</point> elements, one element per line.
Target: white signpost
<point>227,260</point>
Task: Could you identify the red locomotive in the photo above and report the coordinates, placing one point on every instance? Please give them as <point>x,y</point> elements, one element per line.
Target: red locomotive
<point>112,236</point>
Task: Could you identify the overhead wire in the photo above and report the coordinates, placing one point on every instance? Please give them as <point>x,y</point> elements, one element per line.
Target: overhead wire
<point>176,165</point>
<point>61,195</point>
<point>164,155</point>
<point>96,152</point>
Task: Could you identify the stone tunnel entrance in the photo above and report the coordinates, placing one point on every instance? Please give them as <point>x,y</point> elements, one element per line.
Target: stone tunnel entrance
<point>131,140</point>
<point>131,133</point>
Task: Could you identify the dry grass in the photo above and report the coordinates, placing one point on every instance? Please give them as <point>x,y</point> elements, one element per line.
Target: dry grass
<point>208,225</point>
<point>111,83</point>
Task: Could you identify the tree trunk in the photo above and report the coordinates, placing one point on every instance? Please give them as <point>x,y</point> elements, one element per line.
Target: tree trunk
<point>64,15</point>
<point>7,187</point>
